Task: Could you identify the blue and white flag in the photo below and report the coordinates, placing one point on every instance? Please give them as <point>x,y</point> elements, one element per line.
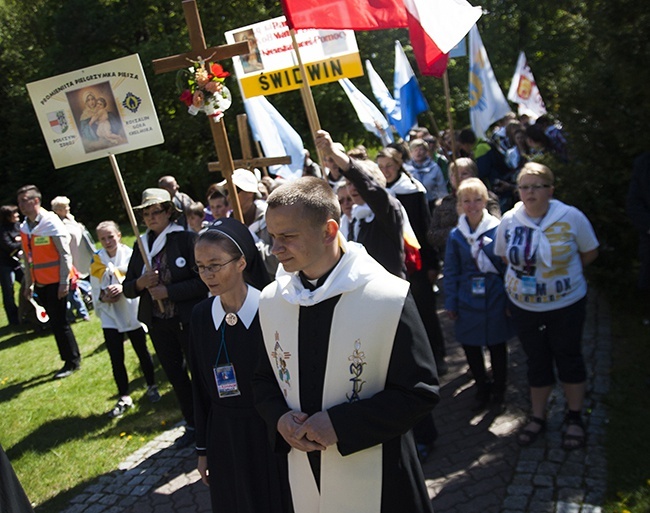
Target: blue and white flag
<point>276,135</point>
<point>407,102</point>
<point>487,104</point>
<point>371,117</point>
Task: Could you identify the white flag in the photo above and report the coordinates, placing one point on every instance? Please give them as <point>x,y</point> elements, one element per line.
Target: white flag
<point>486,101</point>
<point>371,117</point>
<point>276,135</point>
<point>524,91</point>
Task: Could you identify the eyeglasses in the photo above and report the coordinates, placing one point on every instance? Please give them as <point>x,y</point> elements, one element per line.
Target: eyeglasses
<point>211,269</point>
<point>152,213</point>
<point>534,188</point>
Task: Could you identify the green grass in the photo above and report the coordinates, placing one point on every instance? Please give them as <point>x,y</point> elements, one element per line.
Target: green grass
<point>628,404</point>
<point>56,432</point>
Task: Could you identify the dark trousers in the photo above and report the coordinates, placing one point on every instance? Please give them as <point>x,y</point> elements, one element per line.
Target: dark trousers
<point>7,277</point>
<point>499,361</point>
<point>115,345</point>
<point>425,300</point>
<point>170,339</point>
<point>56,309</point>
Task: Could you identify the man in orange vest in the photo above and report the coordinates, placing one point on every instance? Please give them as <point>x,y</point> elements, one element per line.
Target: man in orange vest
<point>46,247</point>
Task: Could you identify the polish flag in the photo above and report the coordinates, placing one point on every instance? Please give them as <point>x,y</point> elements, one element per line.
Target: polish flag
<point>435,26</point>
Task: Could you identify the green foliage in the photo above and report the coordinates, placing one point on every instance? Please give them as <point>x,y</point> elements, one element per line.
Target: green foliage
<point>588,58</point>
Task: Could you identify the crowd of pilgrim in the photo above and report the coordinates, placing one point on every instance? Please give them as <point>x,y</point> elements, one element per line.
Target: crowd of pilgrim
<point>481,231</point>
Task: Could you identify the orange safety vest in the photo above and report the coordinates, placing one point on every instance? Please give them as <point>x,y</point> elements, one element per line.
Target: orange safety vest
<point>42,258</point>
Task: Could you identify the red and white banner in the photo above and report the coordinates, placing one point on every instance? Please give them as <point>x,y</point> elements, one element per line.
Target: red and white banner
<point>435,26</point>
<point>524,91</point>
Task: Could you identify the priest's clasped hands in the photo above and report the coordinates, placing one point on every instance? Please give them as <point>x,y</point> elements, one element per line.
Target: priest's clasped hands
<point>306,433</point>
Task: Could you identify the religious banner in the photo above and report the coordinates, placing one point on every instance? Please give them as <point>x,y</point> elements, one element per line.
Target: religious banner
<point>524,91</point>
<point>95,112</point>
<point>272,66</point>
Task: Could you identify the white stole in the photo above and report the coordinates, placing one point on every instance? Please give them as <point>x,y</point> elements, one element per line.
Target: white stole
<point>477,240</point>
<point>159,242</point>
<point>539,242</point>
<point>357,349</point>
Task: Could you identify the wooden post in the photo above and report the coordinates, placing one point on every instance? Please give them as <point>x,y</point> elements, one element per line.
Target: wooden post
<point>180,61</point>
<point>445,81</point>
<point>131,215</point>
<point>307,98</point>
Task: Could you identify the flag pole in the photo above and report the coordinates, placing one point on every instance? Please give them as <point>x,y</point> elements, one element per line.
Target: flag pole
<point>307,97</point>
<point>433,122</point>
<point>445,81</point>
<point>131,216</point>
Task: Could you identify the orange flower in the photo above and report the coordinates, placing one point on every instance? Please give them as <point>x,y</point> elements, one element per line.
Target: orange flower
<point>218,71</point>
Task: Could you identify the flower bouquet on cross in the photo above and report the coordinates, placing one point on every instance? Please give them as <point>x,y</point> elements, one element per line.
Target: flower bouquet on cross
<point>201,88</point>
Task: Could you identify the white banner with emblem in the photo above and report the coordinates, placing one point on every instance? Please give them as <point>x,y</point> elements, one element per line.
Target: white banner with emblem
<point>96,111</point>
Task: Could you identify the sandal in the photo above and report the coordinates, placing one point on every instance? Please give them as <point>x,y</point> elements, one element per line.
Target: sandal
<point>527,437</point>
<point>571,442</point>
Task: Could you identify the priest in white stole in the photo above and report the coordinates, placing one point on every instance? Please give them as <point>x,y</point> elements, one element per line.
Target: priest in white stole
<point>346,369</point>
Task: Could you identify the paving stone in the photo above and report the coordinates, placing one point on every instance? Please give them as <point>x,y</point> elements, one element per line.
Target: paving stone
<point>571,495</point>
<point>527,466</point>
<point>96,508</point>
<point>525,490</point>
<point>567,507</point>
<point>516,502</point>
<point>543,481</point>
<point>569,481</point>
<point>80,499</point>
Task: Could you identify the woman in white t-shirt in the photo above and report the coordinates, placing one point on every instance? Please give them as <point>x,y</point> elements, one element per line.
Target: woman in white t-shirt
<point>546,245</point>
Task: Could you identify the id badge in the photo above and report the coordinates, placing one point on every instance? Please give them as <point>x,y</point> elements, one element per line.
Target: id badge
<point>528,285</point>
<point>226,380</point>
<point>478,286</point>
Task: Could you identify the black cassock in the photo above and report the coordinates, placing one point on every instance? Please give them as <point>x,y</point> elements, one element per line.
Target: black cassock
<point>386,418</point>
<point>246,476</point>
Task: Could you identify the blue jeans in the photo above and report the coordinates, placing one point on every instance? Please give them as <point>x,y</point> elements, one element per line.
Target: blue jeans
<point>76,303</point>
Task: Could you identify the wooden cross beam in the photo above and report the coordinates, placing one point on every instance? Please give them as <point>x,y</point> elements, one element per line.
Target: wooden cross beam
<point>248,161</point>
<point>199,49</point>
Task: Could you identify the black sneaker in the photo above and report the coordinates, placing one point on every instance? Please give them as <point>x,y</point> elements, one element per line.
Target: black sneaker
<point>66,370</point>
<point>153,394</point>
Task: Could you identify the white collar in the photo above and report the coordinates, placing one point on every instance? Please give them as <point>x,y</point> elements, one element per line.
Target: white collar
<point>246,313</point>
<point>354,269</point>
<point>405,185</point>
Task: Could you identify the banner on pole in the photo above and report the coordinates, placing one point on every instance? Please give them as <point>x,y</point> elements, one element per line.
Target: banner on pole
<point>272,65</point>
<point>96,111</point>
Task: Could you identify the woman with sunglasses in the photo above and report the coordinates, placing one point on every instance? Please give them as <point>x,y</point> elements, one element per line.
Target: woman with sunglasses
<point>167,293</point>
<point>235,459</point>
<point>546,245</point>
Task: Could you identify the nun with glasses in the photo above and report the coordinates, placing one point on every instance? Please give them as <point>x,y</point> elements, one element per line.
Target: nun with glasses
<point>235,458</point>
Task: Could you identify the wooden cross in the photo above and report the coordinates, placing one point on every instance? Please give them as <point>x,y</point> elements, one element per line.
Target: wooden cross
<point>180,61</point>
<point>248,161</point>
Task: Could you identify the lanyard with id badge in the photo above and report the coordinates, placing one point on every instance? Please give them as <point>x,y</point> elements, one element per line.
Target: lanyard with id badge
<point>224,375</point>
<point>528,280</point>
<point>478,282</point>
